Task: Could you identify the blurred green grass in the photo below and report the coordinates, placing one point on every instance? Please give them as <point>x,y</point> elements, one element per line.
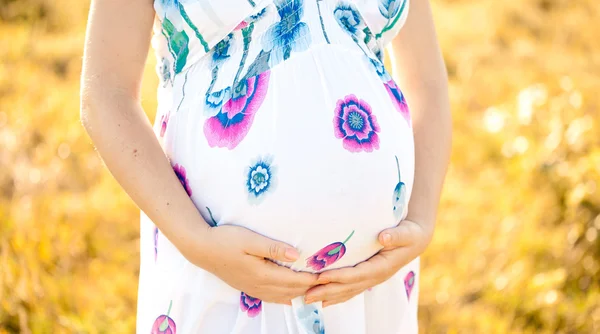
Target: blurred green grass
<point>516,248</point>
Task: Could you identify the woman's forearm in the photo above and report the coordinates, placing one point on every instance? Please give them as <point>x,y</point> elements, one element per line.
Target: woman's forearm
<point>419,68</point>
<point>124,139</point>
<point>116,48</point>
<point>432,133</point>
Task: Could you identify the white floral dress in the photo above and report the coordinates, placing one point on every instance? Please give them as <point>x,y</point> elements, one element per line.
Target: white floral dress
<point>279,116</point>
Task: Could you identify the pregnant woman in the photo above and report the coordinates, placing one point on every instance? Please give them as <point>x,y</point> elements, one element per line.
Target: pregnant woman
<point>275,182</point>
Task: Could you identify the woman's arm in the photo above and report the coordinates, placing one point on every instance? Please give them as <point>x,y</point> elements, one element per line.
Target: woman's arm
<point>421,74</point>
<point>419,69</point>
<point>116,48</point>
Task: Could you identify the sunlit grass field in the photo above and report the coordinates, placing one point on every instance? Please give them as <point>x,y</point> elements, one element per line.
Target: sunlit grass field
<point>516,249</point>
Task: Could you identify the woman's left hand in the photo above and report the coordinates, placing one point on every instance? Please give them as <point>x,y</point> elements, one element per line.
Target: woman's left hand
<point>402,244</point>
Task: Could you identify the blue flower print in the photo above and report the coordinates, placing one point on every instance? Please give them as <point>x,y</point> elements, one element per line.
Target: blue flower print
<point>389,8</point>
<point>288,35</point>
<point>260,179</point>
<point>378,53</point>
<point>215,100</point>
<point>380,69</point>
<point>392,10</point>
<point>348,17</point>
<point>165,72</point>
<point>169,3</point>
<point>221,51</point>
<point>310,319</point>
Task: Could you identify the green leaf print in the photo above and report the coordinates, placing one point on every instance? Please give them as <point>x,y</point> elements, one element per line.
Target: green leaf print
<point>178,44</point>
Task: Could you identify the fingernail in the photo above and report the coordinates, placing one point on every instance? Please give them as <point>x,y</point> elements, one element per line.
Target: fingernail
<point>291,254</point>
<point>308,300</point>
<point>386,239</point>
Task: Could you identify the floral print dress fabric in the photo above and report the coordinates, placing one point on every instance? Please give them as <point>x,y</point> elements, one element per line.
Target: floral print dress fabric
<point>279,116</point>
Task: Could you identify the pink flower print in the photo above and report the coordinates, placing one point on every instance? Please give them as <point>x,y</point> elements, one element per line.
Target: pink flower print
<point>155,243</point>
<point>241,25</point>
<point>251,305</point>
<point>398,100</point>
<point>164,120</point>
<point>181,175</point>
<point>231,124</point>
<point>409,283</point>
<point>356,125</point>
<point>328,255</point>
<point>164,324</point>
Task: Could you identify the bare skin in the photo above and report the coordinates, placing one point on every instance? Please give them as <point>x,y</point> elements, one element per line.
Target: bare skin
<point>116,48</point>
<point>117,45</point>
<point>421,73</point>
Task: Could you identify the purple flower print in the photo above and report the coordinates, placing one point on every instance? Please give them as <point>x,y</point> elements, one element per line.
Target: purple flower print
<point>398,100</point>
<point>328,255</point>
<point>251,305</point>
<point>409,283</point>
<point>164,120</point>
<point>181,175</point>
<point>356,125</point>
<point>155,243</point>
<point>231,124</point>
<point>164,324</point>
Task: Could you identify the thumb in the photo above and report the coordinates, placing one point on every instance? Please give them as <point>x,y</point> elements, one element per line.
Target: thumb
<point>272,249</point>
<point>399,236</point>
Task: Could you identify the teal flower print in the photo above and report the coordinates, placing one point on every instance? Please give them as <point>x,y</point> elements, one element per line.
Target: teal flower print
<point>310,318</point>
<point>322,23</point>
<point>164,70</point>
<point>178,4</point>
<point>212,221</point>
<point>288,35</point>
<point>260,179</point>
<point>399,199</point>
<point>178,42</point>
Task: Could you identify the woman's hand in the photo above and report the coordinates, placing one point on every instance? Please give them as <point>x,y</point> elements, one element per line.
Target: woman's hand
<point>242,259</point>
<point>401,244</point>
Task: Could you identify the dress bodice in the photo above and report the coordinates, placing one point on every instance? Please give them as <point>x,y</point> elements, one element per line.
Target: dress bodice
<point>189,29</point>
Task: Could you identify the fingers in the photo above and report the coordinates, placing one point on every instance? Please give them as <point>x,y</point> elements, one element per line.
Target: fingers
<point>363,271</point>
<point>269,248</point>
<point>400,236</point>
<point>284,276</point>
<point>334,293</point>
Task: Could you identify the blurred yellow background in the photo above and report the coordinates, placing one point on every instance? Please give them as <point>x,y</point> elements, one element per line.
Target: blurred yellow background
<point>516,248</point>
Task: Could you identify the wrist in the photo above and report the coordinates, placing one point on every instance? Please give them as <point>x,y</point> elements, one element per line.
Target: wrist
<point>193,240</point>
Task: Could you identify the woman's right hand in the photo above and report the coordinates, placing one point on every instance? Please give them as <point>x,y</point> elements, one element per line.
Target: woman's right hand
<point>242,259</point>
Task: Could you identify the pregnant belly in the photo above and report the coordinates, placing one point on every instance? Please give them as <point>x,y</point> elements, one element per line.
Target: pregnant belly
<point>323,160</point>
